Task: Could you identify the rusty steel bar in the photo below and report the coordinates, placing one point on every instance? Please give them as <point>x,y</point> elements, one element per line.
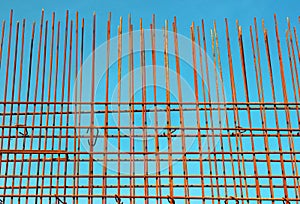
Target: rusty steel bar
<point>159,136</point>
<point>76,145</point>
<point>80,99</point>
<point>151,103</point>
<point>144,113</point>
<point>12,98</point>
<point>36,96</point>
<point>92,115</point>
<point>292,130</point>
<point>200,146</point>
<point>226,114</point>
<point>2,38</point>
<point>287,112</point>
<point>273,95</point>
<point>218,99</point>
<point>153,44</point>
<point>297,43</point>
<point>204,152</point>
<point>119,98</point>
<point>64,67</point>
<point>68,98</point>
<point>149,159</point>
<point>106,107</point>
<point>28,84</point>
<point>204,97</point>
<point>162,186</point>
<point>131,106</point>
<point>246,90</point>
<point>5,90</point>
<point>49,95</point>
<point>162,176</point>
<point>41,112</point>
<point>55,96</point>
<point>181,113</point>
<point>35,99</point>
<point>168,117</point>
<point>233,90</point>
<point>262,108</point>
<point>19,95</point>
<point>192,29</point>
<point>290,39</point>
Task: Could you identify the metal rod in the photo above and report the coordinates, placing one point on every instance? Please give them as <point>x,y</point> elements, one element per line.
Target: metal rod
<point>153,43</point>
<point>168,117</point>
<point>5,92</point>
<point>119,99</point>
<point>181,113</point>
<point>2,38</point>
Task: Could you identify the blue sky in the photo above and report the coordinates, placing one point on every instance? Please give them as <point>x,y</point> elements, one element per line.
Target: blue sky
<point>185,10</point>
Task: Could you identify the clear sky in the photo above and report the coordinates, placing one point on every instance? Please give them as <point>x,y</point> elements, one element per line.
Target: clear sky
<point>186,11</point>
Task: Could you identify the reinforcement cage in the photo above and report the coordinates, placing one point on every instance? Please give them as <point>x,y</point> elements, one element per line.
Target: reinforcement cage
<point>209,117</point>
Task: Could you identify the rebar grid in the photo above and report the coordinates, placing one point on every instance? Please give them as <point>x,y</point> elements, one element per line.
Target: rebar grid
<point>249,157</point>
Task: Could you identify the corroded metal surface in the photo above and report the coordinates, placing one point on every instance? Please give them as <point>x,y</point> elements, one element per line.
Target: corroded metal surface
<point>245,144</point>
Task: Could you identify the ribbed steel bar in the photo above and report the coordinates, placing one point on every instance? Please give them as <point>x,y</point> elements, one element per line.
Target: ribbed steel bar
<point>63,82</point>
<point>19,96</point>
<point>153,46</point>
<point>225,111</point>
<point>144,113</point>
<point>181,113</point>
<point>12,98</point>
<point>287,112</point>
<point>106,107</point>
<point>262,108</point>
<point>246,91</point>
<point>238,139</point>
<point>48,96</point>
<point>216,79</point>
<point>168,116</point>
<point>207,127</point>
<point>289,38</point>
<point>41,112</point>
<point>92,116</point>
<point>196,94</point>
<point>119,98</point>
<point>76,145</point>
<point>2,38</point>
<point>55,98</point>
<point>131,106</point>
<point>5,89</point>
